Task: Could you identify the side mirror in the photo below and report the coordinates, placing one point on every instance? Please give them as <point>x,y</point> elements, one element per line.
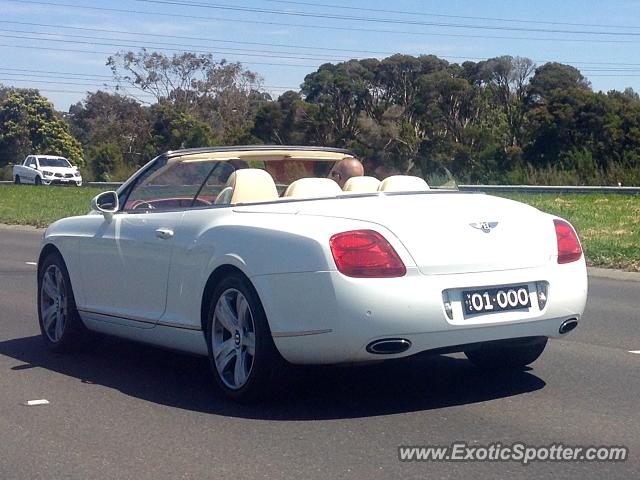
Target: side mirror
<point>107,203</point>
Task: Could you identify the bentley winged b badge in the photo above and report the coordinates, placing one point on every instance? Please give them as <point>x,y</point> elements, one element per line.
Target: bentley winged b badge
<point>486,227</point>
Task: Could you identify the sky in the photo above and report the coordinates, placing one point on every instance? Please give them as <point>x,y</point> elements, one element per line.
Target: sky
<point>61,46</point>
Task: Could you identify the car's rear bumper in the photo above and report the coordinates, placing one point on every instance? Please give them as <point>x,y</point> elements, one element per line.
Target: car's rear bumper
<point>325,317</point>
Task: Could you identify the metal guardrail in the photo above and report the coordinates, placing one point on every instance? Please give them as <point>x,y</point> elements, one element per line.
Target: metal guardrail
<point>470,188</point>
<point>547,189</point>
<point>104,185</point>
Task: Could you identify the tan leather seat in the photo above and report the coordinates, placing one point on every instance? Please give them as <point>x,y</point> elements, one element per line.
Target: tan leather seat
<point>362,184</point>
<point>248,185</point>
<point>313,188</point>
<point>403,183</point>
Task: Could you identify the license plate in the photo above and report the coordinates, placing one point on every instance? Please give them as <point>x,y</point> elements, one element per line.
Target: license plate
<point>497,299</point>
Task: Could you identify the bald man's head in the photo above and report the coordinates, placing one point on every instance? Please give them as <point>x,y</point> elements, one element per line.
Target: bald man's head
<point>345,169</point>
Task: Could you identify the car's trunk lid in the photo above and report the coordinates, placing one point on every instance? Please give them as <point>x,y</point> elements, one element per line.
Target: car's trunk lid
<point>454,233</point>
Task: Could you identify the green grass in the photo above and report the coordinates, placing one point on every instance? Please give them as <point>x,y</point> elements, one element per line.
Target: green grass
<point>608,225</point>
<point>40,206</point>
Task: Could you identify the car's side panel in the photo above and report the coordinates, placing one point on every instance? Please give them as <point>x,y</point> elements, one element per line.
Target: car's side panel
<point>181,339</point>
<point>118,267</point>
<point>256,244</point>
<point>129,265</point>
<point>35,172</point>
<point>26,174</point>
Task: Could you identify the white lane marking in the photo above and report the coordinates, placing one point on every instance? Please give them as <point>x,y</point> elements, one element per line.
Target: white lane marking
<point>33,403</point>
<point>31,263</point>
<point>637,352</point>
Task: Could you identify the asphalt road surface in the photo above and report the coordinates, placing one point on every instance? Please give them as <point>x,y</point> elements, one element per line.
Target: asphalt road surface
<point>130,411</point>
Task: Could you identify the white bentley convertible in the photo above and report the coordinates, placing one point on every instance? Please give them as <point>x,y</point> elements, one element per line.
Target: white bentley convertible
<point>250,255</point>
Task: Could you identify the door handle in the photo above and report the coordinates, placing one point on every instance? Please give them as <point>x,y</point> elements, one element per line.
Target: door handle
<point>164,233</point>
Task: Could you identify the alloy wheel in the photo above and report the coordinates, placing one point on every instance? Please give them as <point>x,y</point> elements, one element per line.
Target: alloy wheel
<point>53,303</point>
<point>233,338</point>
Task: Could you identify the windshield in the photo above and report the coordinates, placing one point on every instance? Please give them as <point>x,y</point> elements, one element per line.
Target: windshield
<point>53,162</point>
<point>178,184</point>
<point>201,180</point>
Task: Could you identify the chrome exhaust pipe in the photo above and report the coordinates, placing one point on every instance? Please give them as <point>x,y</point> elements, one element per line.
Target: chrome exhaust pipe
<point>568,325</point>
<point>388,346</point>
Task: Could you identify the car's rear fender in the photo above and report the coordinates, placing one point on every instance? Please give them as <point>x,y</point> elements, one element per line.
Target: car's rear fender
<point>254,244</point>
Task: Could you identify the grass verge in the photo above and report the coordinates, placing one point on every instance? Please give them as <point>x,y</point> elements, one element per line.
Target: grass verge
<point>608,225</point>
<point>40,206</point>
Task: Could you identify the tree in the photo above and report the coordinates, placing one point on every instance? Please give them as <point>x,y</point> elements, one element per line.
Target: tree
<point>171,129</point>
<point>506,78</point>
<point>554,76</point>
<point>341,94</point>
<point>105,118</point>
<point>29,124</point>
<point>220,94</point>
<point>289,120</point>
<point>106,161</point>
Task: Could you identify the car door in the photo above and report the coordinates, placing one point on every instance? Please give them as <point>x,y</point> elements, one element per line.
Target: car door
<point>31,171</point>
<point>128,257</point>
<point>126,264</point>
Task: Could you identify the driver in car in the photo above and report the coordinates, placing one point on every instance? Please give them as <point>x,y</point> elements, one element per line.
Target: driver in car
<point>344,169</point>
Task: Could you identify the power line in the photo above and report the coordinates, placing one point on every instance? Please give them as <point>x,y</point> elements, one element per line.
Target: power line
<point>222,6</point>
<point>264,43</point>
<point>258,53</point>
<point>54,82</point>
<point>441,15</point>
<point>71,50</point>
<point>129,45</point>
<point>165,46</point>
<point>614,75</point>
<point>321,27</point>
<point>204,39</point>
<point>37,72</point>
<point>112,83</point>
<point>182,46</point>
<point>58,91</point>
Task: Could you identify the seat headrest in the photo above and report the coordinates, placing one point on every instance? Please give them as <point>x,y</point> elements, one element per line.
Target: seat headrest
<point>251,185</point>
<point>361,184</point>
<point>313,188</point>
<point>403,183</point>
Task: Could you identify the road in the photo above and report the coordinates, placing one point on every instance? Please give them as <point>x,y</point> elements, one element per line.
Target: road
<point>130,411</point>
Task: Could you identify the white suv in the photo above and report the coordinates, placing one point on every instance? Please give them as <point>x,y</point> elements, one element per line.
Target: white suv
<point>45,170</point>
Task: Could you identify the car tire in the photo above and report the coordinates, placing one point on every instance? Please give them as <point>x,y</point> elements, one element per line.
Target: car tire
<point>17,180</point>
<point>242,355</point>
<point>60,325</point>
<point>507,354</point>
<point>38,180</point>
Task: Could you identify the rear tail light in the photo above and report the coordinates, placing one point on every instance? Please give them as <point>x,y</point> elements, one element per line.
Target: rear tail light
<point>365,254</point>
<point>569,249</point>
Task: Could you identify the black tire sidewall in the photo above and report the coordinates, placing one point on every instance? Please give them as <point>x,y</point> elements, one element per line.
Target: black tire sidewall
<point>17,180</point>
<point>265,352</point>
<point>38,180</point>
